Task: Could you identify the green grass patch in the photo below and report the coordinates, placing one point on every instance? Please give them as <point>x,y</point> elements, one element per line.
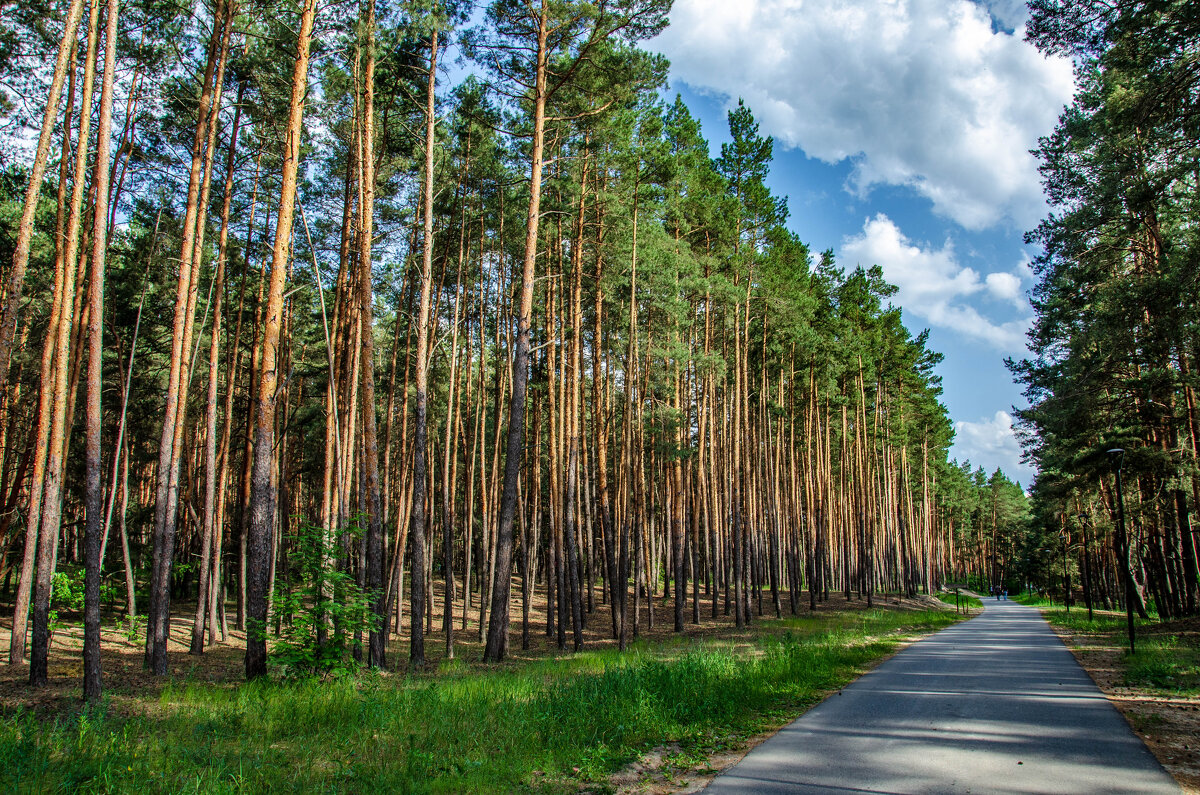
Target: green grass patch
<point>962,600</point>
<point>1164,662</point>
<point>549,725</point>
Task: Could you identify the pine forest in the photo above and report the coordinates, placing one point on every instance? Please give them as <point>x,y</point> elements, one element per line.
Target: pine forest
<point>380,334</point>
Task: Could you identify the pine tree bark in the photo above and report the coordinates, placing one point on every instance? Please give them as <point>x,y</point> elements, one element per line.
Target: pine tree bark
<point>47,520</point>
<point>167,485</point>
<point>416,653</point>
<point>377,635</point>
<point>94,492</point>
<point>497,638</point>
<point>210,553</point>
<point>262,493</point>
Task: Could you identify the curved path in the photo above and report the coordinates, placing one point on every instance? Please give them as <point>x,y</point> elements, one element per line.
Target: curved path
<point>994,704</point>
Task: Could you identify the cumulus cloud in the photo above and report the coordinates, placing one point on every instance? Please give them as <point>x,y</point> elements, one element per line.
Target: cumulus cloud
<point>990,443</point>
<point>922,93</point>
<point>935,286</point>
<point>1005,286</point>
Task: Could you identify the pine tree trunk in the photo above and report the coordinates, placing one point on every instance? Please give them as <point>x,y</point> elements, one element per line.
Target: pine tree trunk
<point>48,519</point>
<point>187,288</point>
<point>262,494</point>
<point>377,636</point>
<point>210,553</point>
<point>420,433</point>
<point>497,637</point>
<point>94,493</point>
<point>16,276</point>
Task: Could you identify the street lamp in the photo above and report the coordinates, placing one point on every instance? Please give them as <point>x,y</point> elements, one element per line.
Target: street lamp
<point>1117,456</point>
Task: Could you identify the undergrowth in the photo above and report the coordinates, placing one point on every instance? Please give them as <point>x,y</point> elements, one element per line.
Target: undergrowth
<point>550,725</point>
<point>1164,662</point>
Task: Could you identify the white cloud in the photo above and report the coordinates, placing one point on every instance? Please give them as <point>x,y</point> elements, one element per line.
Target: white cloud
<point>934,286</point>
<point>990,443</point>
<point>1009,13</point>
<point>1005,286</point>
<point>920,93</point>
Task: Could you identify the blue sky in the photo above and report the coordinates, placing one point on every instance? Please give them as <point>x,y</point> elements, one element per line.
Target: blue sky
<point>903,130</point>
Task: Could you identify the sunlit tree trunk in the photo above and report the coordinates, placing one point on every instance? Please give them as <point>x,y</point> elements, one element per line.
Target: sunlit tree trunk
<point>187,289</point>
<point>16,276</point>
<point>94,493</point>
<point>49,517</point>
<point>262,493</point>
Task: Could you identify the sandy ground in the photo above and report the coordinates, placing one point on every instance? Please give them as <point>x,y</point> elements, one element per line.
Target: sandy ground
<point>1170,725</point>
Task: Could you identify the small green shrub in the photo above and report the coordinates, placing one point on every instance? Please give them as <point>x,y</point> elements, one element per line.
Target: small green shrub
<point>319,609</point>
<point>130,626</point>
<point>66,593</point>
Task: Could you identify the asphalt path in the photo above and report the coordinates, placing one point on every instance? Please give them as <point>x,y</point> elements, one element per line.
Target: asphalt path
<point>994,704</point>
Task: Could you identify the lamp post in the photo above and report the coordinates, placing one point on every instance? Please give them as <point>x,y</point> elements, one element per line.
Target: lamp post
<point>1117,456</point>
<point>1087,565</point>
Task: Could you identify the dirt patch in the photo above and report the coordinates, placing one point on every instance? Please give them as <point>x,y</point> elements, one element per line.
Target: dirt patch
<point>665,770</point>
<point>1169,725</point>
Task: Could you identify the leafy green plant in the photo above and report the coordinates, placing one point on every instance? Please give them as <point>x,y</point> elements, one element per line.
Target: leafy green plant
<point>130,626</point>
<point>66,593</point>
<point>319,609</point>
<point>110,592</point>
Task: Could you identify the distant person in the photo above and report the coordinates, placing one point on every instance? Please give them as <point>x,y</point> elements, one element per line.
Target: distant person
<point>1006,594</point>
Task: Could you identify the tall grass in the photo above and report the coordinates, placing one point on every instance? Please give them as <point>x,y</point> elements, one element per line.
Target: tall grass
<point>550,725</point>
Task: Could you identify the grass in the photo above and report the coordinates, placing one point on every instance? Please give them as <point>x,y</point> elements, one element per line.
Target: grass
<point>963,600</point>
<point>1165,662</point>
<point>1034,600</point>
<point>550,725</point>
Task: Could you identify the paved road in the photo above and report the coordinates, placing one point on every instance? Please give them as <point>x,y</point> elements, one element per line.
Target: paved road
<point>994,704</point>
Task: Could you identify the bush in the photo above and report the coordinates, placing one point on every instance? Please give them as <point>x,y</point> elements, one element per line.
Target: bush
<point>319,609</point>
<point>66,593</point>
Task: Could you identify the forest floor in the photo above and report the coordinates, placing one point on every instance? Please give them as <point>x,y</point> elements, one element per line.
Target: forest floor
<point>123,645</point>
<point>1157,688</point>
<point>643,751</point>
